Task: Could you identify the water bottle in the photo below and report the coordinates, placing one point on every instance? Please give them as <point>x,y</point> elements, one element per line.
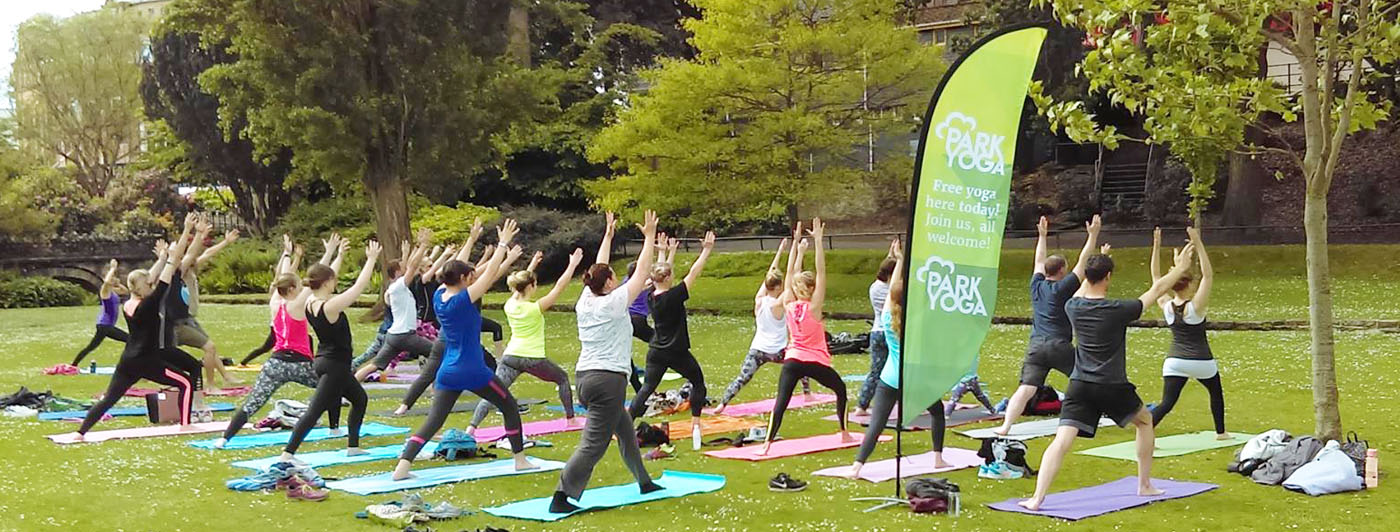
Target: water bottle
<point>92,368</point>
<point>1373,469</point>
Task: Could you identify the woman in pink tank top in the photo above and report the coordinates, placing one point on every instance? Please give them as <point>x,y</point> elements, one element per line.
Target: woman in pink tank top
<point>804,292</point>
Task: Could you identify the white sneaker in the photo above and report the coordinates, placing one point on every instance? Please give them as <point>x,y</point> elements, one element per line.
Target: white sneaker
<point>220,443</point>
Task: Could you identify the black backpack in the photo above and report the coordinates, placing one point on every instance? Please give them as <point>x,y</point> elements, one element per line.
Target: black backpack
<point>649,435</point>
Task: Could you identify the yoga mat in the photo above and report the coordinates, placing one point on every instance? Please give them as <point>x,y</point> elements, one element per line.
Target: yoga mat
<point>766,406</point>
<point>251,368</point>
<point>153,431</point>
<point>925,421</point>
<point>853,378</point>
<point>118,412</point>
<point>280,437</point>
<point>912,466</point>
<point>709,426</point>
<point>386,385</point>
<point>401,377</point>
<point>676,484</point>
<point>1093,501</point>
<point>1025,430</point>
<point>436,476</point>
<point>336,457</point>
<point>533,428</point>
<point>456,409</point>
<point>1175,445</point>
<point>786,448</point>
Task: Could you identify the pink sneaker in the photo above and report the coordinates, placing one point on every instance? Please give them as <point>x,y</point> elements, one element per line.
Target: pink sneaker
<point>305,492</point>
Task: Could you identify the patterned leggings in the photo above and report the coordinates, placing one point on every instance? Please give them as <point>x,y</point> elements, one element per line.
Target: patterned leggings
<point>511,367</point>
<point>756,359</point>
<point>972,386</point>
<point>275,373</point>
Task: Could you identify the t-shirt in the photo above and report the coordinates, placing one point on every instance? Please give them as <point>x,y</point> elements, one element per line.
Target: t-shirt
<point>108,314</point>
<point>770,334</point>
<point>668,311</point>
<point>143,324</point>
<point>1101,328</point>
<point>890,375</point>
<point>402,304</point>
<point>463,362</point>
<point>174,301</point>
<point>879,292</point>
<point>808,334</point>
<point>526,328</point>
<point>1048,320</point>
<point>639,305</point>
<point>604,332</point>
<point>422,296</point>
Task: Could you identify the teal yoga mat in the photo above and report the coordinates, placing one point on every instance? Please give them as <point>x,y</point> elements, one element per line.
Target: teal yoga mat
<point>1175,445</point>
<point>384,482</point>
<point>337,457</point>
<point>676,484</point>
<point>280,437</point>
<point>119,412</point>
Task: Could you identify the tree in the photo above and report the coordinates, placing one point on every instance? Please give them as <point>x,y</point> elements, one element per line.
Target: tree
<point>74,85</point>
<point>776,110</point>
<point>172,95</point>
<point>1191,70</point>
<point>387,95</point>
<point>19,217</point>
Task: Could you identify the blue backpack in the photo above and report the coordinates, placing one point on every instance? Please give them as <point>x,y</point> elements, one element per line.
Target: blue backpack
<point>457,445</point>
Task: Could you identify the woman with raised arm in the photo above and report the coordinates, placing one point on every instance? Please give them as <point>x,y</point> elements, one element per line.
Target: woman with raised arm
<point>770,335</point>
<point>335,378</point>
<point>604,365</point>
<point>110,297</point>
<point>804,295</point>
<point>292,359</point>
<point>402,335</point>
<point>294,251</point>
<point>526,353</point>
<point>1189,356</point>
<point>887,391</point>
<point>144,357</point>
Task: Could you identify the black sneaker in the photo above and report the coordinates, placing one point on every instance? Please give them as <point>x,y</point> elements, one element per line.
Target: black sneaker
<point>783,482</point>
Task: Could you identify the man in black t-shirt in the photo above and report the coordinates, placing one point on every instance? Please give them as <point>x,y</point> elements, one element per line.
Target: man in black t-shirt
<point>1051,344</point>
<point>1099,384</point>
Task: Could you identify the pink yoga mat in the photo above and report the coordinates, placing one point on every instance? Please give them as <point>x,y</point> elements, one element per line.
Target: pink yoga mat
<point>533,428</point>
<point>912,466</point>
<point>766,406</point>
<point>140,432</point>
<point>786,448</point>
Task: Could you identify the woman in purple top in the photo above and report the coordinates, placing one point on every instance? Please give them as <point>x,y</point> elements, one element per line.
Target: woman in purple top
<point>110,299</point>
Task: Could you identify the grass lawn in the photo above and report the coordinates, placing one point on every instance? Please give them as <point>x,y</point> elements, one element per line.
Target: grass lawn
<point>163,484</point>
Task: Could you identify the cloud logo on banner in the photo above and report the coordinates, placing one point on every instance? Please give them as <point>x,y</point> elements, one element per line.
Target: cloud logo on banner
<point>970,149</point>
<point>950,291</point>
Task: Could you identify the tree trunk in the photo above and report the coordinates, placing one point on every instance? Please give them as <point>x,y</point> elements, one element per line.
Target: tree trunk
<point>1328,418</point>
<point>1243,189</point>
<point>519,27</point>
<point>390,199</point>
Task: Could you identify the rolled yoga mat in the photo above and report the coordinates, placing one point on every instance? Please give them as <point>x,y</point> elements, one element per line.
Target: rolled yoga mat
<point>786,448</point>
<point>436,476</point>
<point>711,425</point>
<point>280,437</point>
<point>119,412</point>
<point>337,457</point>
<point>155,431</point>
<point>675,484</point>
<point>1175,445</point>
<point>1093,501</point>
<point>911,466</point>
<point>1025,430</point>
<point>766,406</point>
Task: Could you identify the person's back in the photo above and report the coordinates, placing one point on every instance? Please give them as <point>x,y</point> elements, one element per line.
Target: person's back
<point>1101,327</point>
<point>604,332</point>
<point>770,332</point>
<point>526,328</point>
<point>808,334</point>
<point>1048,298</point>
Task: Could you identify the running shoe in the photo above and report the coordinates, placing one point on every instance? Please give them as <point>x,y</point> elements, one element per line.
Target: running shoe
<point>998,471</point>
<point>307,493</point>
<point>1001,407</point>
<point>785,483</point>
<point>661,452</point>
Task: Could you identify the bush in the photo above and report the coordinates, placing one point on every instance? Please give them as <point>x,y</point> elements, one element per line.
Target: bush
<point>352,216</point>
<point>556,234</point>
<point>1066,194</point>
<point>245,267</point>
<point>37,292</point>
<point>452,225</point>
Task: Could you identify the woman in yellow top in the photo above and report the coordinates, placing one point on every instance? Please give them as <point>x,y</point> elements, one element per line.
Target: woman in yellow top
<point>525,352</point>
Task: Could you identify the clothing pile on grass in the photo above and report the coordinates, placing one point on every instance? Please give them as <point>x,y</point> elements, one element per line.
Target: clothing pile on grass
<point>408,510</point>
<point>1003,459</point>
<point>669,402</point>
<point>24,403</point>
<point>268,479</point>
<point>284,415</point>
<point>1303,464</point>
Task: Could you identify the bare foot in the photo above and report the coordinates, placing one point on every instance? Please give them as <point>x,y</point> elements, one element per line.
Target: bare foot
<point>846,437</point>
<point>854,473</point>
<point>1149,491</point>
<point>764,450</point>
<point>1002,431</point>
<point>355,451</point>
<point>401,410</point>
<point>188,428</point>
<point>79,437</point>
<point>337,432</point>
<point>1032,504</point>
<point>575,422</point>
<point>940,464</point>
<point>1224,436</point>
<point>809,397</point>
<point>861,412</point>
<point>404,470</point>
<point>720,410</point>
<point>522,463</point>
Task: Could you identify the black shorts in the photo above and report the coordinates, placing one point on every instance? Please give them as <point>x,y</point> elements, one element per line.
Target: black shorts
<point>1086,402</point>
<point>1044,355</point>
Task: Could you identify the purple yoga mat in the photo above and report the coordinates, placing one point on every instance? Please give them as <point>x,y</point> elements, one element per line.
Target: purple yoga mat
<point>1093,501</point>
<point>766,406</point>
<point>534,428</point>
<point>913,466</point>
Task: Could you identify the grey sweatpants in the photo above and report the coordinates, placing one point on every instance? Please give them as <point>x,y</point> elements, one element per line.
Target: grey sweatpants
<point>603,393</point>
<point>511,367</point>
<point>415,345</point>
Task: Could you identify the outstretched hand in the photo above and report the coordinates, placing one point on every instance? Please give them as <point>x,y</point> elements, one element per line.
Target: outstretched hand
<point>514,253</point>
<point>1194,235</point>
<point>506,231</point>
<point>372,250</point>
<point>609,223</point>
<point>1043,226</point>
<point>709,242</point>
<point>1105,249</point>
<point>1157,236</point>
<point>783,245</point>
<point>476,227</point>
<point>1094,225</point>
<point>897,249</point>
<point>576,257</point>
<point>648,226</point>
<point>1183,258</point>
<point>231,236</point>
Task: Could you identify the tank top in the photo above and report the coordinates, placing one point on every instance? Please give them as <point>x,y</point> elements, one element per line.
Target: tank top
<point>290,333</point>
<point>108,314</point>
<point>770,333</point>
<point>808,334</point>
<point>334,337</point>
<point>1188,341</point>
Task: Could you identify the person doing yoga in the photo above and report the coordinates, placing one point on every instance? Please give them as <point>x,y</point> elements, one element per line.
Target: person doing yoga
<point>879,290</point>
<point>463,366</point>
<point>402,335</point>
<point>604,364</point>
<point>1099,385</point>
<point>526,352</point>
<point>296,251</point>
<point>144,356</point>
<point>1189,356</point>
<point>325,311</point>
<point>110,297</point>
<point>887,392</point>
<point>804,296</point>
<point>770,335</point>
<point>181,307</point>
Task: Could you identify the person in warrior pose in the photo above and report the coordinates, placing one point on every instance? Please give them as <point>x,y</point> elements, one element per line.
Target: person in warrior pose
<point>181,308</point>
<point>770,335</point>
<point>1189,356</point>
<point>110,297</point>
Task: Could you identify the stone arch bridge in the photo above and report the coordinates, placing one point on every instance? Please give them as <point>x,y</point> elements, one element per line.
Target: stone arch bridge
<point>81,260</point>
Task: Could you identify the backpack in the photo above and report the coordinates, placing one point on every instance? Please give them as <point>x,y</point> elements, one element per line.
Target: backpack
<point>1298,452</point>
<point>930,495</point>
<point>649,435</point>
<point>1045,402</point>
<point>1355,449</point>
<point>1007,451</point>
<point>457,445</point>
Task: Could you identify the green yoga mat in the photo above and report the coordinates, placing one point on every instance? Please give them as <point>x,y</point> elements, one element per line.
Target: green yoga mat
<point>1175,445</point>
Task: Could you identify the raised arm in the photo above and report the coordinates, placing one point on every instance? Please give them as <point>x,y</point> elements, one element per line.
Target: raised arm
<point>672,244</point>
<point>1156,260</point>
<point>487,276</point>
<point>109,280</point>
<point>162,251</point>
<point>605,247</point>
<point>1202,297</point>
<point>661,240</point>
<point>638,282</point>
<point>297,253</point>
<point>535,261</point>
<point>203,259</point>
<point>343,300</point>
<point>777,260</point>
<point>1090,243</point>
<point>486,254</point>
<point>1160,286</point>
<point>504,268</point>
<point>695,269</point>
<point>284,261</point>
<point>819,292</point>
<point>196,247</point>
<point>415,259</point>
<point>794,265</point>
<point>568,275</point>
<point>177,251</point>
<point>442,259</point>
<point>897,278</point>
<point>330,246</point>
<point>1042,244</point>
<point>430,260</point>
<point>341,248</point>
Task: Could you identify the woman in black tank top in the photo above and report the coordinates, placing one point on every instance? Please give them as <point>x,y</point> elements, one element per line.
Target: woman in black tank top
<point>1189,356</point>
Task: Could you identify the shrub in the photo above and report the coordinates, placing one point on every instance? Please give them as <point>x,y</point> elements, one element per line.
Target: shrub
<point>37,292</point>
<point>245,267</point>
<point>452,225</point>
<point>556,234</point>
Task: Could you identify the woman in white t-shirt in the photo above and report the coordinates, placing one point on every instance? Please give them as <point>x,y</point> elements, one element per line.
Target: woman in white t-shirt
<point>770,335</point>
<point>604,365</point>
<point>1189,356</point>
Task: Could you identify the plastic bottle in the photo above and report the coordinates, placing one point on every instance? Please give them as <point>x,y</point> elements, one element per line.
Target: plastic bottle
<point>92,368</point>
<point>1373,469</point>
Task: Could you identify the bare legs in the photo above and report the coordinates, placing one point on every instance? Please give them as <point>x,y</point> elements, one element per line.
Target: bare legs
<point>1064,439</point>
<point>1015,406</point>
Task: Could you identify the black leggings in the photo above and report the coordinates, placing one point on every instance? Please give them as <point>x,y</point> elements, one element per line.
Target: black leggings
<point>641,330</point>
<point>885,399</point>
<point>1171,391</point>
<point>262,349</point>
<point>160,369</point>
<point>658,361</point>
<point>443,401</point>
<point>334,381</point>
<point>795,370</point>
<point>103,332</point>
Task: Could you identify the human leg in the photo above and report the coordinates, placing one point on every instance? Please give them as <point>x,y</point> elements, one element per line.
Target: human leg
<point>121,382</point>
<point>1217,404</point>
<point>495,393</point>
<point>1171,391</point>
<point>1050,464</point>
<point>329,390</point>
<point>427,373</point>
<point>656,369</point>
<point>884,401</point>
<point>752,361</point>
<point>879,351</point>
<point>1146,439</point>
<point>443,401</point>
<point>261,350</point>
<point>603,393</point>
<point>506,372</point>
<point>787,380</point>
<point>546,370</point>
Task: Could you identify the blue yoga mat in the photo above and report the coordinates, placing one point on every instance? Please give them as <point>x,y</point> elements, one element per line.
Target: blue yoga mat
<point>384,482</point>
<point>264,439</point>
<point>676,484</point>
<point>853,378</point>
<point>119,412</point>
<point>337,457</point>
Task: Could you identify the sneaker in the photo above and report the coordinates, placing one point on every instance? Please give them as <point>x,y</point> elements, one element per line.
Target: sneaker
<point>661,452</point>
<point>998,471</point>
<point>1001,407</point>
<point>305,492</point>
<point>785,483</point>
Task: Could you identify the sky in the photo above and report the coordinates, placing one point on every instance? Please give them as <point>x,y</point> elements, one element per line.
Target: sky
<point>13,12</point>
